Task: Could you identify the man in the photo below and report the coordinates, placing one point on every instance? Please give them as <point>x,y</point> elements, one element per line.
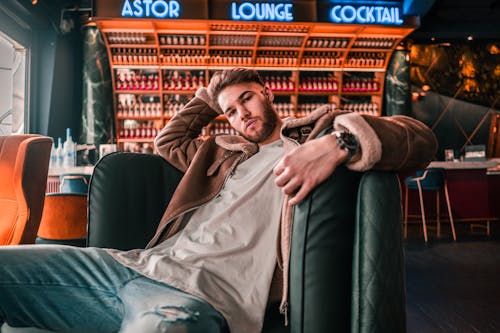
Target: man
<point>210,264</point>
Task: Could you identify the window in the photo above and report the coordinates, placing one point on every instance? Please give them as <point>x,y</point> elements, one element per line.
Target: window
<point>13,114</point>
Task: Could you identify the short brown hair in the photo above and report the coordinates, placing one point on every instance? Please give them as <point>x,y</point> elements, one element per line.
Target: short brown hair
<point>228,77</point>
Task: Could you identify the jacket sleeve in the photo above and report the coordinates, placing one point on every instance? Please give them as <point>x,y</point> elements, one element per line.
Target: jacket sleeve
<point>179,140</point>
<point>389,143</point>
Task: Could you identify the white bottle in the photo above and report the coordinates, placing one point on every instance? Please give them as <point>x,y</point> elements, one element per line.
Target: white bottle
<point>69,150</point>
<point>53,157</point>
<point>59,154</point>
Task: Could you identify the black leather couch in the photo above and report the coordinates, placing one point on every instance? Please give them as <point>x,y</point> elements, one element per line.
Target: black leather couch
<point>346,268</point>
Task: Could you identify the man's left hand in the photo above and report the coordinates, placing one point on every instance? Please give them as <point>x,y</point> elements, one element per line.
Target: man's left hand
<point>307,166</point>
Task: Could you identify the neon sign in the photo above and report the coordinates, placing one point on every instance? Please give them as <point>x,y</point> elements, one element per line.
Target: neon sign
<point>151,8</point>
<point>262,11</point>
<point>366,14</point>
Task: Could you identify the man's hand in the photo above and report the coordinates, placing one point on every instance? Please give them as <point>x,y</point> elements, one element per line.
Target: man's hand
<point>307,166</point>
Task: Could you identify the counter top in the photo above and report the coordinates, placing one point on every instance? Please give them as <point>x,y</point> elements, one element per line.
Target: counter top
<point>492,163</point>
<point>84,170</point>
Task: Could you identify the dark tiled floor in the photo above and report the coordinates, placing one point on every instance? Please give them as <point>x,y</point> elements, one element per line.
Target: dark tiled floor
<point>453,287</point>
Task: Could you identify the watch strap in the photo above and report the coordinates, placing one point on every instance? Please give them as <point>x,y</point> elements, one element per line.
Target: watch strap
<point>348,142</point>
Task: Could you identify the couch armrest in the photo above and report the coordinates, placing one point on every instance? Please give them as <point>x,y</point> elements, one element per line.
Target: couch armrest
<point>128,194</point>
<point>321,255</point>
<point>346,266</point>
<point>378,298</point>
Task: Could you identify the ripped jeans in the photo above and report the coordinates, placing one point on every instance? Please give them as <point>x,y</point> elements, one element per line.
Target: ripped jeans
<point>69,289</point>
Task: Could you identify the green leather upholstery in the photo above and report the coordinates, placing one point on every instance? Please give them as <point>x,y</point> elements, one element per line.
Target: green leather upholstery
<point>128,195</point>
<point>321,256</point>
<point>378,297</point>
<point>347,268</point>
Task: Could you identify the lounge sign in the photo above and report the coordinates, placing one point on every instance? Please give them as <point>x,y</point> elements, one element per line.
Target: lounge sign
<point>365,14</point>
<point>262,11</point>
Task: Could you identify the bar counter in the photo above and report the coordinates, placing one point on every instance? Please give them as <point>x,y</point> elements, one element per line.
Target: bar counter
<point>474,189</point>
<point>464,165</point>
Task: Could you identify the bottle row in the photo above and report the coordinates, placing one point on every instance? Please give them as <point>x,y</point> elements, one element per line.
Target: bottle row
<point>136,130</point>
<point>191,82</point>
<point>327,61</point>
<point>274,61</point>
<point>184,57</point>
<point>136,147</point>
<point>182,40</point>
<point>149,130</point>
<point>219,128</point>
<point>327,42</point>
<point>137,110</point>
<point>379,43</point>
<point>319,84</point>
<point>232,40</point>
<point>129,80</point>
<point>242,58</point>
<point>278,41</point>
<point>64,154</point>
<point>361,85</point>
<point>134,56</point>
<point>368,59</point>
<point>231,57</point>
<point>247,40</point>
<point>126,38</point>
<point>279,83</point>
<point>256,27</point>
<point>183,81</point>
<point>366,108</point>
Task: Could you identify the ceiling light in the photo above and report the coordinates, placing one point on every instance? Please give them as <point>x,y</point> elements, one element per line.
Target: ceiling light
<point>470,37</point>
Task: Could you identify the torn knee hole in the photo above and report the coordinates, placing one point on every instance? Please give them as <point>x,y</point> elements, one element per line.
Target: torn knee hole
<point>176,313</point>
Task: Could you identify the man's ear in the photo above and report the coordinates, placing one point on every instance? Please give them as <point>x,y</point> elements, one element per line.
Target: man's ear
<point>268,93</point>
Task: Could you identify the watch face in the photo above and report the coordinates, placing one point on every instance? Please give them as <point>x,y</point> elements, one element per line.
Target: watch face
<point>350,141</point>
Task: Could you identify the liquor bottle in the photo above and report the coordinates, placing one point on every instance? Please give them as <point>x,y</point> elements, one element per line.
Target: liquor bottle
<point>53,157</point>
<point>59,153</point>
<point>69,149</point>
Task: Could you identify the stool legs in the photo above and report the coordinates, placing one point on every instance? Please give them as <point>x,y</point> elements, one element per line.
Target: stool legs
<point>438,214</point>
<point>405,222</point>
<point>422,210</point>
<point>452,224</point>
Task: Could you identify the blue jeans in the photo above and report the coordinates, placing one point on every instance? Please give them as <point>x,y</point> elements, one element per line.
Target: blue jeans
<point>69,289</point>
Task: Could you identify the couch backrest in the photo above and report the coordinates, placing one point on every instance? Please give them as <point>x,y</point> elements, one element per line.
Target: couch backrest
<point>128,194</point>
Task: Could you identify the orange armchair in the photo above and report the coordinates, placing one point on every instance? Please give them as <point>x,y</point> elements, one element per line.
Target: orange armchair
<point>24,165</point>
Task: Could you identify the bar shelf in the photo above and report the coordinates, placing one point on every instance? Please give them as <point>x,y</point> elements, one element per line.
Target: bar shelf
<point>170,60</point>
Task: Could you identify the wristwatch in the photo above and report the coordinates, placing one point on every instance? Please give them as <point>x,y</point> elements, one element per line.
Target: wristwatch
<point>348,142</point>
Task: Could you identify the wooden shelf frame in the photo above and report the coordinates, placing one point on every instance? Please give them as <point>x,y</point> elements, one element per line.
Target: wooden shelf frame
<point>305,31</point>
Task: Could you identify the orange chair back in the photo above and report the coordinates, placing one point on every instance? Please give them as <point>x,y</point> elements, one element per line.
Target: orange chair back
<point>24,165</point>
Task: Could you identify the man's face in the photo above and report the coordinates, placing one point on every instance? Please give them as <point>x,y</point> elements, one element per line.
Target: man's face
<point>249,110</point>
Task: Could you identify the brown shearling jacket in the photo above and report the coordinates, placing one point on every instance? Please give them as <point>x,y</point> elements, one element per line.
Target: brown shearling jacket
<point>387,143</point>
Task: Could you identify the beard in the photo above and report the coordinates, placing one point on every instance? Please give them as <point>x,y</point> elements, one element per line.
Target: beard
<point>269,123</point>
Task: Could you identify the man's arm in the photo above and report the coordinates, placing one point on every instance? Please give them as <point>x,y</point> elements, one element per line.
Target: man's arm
<point>179,140</point>
<point>386,143</point>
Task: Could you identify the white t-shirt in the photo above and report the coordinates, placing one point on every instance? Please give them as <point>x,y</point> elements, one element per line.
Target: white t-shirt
<point>226,253</point>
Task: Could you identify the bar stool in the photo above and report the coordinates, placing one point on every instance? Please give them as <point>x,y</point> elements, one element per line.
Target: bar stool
<point>64,219</point>
<point>428,180</point>
<point>74,183</point>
